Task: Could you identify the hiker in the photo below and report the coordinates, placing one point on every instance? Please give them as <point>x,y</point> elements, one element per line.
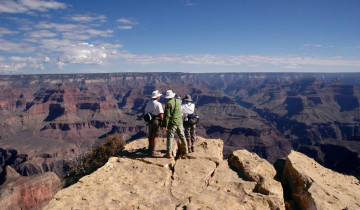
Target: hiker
<point>155,108</point>
<point>187,110</point>
<point>173,123</point>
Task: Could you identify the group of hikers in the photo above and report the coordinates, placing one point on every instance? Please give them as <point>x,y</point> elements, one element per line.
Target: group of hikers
<point>176,117</point>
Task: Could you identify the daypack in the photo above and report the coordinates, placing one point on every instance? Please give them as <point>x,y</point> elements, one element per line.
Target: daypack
<point>148,117</point>
<point>192,119</point>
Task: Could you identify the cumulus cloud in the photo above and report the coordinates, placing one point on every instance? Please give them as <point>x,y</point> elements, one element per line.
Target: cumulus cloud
<point>24,6</point>
<point>17,64</point>
<point>83,53</point>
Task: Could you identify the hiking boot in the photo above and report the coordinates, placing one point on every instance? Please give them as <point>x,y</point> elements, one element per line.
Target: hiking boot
<point>168,155</point>
<point>189,150</point>
<point>155,153</point>
<point>192,149</point>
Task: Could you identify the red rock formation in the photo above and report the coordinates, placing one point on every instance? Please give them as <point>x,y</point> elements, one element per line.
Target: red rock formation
<point>27,192</point>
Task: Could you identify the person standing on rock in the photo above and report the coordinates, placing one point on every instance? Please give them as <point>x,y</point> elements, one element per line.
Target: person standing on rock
<point>173,123</point>
<point>155,108</point>
<point>187,110</point>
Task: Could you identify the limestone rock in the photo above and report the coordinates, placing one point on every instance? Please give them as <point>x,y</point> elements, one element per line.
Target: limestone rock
<point>314,187</point>
<point>257,169</point>
<point>20,192</point>
<point>211,149</point>
<point>122,183</point>
<point>137,181</point>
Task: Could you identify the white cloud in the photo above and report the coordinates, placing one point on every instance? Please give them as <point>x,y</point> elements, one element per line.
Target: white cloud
<point>5,31</point>
<point>87,18</point>
<point>75,31</point>
<point>233,60</point>
<point>127,21</point>
<point>24,6</point>
<point>17,64</point>
<point>312,45</point>
<point>60,27</point>
<point>15,47</point>
<point>83,53</point>
<point>42,34</point>
<point>125,27</point>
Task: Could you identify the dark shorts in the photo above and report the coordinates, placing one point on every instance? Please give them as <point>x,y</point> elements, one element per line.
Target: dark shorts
<point>154,128</point>
<point>190,131</point>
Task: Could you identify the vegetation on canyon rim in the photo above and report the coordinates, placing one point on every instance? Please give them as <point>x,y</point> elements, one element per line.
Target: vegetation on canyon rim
<point>85,163</point>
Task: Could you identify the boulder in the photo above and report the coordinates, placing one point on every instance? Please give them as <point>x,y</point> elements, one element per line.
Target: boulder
<point>259,170</point>
<point>314,187</point>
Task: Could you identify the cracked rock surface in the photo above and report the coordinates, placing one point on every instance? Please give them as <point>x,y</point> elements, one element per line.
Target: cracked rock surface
<point>313,186</point>
<point>203,180</point>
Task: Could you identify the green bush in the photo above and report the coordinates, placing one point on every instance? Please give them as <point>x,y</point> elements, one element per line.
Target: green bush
<point>95,159</point>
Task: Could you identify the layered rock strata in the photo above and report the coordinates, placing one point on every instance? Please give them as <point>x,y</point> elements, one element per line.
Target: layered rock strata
<point>202,180</point>
<point>20,192</point>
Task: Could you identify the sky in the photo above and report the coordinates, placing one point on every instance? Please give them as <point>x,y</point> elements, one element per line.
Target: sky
<point>93,36</point>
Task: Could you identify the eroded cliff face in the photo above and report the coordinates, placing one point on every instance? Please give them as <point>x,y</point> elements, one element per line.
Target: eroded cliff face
<point>19,192</point>
<point>202,180</point>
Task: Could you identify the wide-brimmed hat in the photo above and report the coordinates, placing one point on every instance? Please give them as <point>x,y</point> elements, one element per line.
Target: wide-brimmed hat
<point>156,94</point>
<point>170,94</point>
<point>188,98</point>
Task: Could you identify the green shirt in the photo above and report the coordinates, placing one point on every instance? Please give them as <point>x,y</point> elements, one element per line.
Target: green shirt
<point>172,117</point>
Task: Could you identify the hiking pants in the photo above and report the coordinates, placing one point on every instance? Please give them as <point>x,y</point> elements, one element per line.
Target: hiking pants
<point>179,129</point>
<point>190,132</point>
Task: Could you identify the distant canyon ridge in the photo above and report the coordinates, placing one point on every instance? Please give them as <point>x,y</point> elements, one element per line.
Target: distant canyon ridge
<point>46,119</point>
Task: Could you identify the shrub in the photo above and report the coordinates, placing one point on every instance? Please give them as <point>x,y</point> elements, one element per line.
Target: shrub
<point>95,159</point>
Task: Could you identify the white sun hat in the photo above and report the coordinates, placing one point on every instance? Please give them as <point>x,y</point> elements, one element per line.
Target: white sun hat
<point>155,94</point>
<point>170,94</point>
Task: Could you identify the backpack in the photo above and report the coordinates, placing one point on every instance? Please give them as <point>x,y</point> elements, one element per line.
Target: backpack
<point>192,119</point>
<point>148,117</point>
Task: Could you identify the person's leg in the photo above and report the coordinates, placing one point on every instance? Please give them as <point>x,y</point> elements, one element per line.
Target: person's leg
<point>170,137</point>
<point>180,133</point>
<point>193,136</point>
<point>187,136</point>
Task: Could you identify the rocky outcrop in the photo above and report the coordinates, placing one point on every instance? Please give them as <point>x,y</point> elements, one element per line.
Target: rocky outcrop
<point>203,180</point>
<point>340,156</point>
<point>312,186</point>
<point>20,192</point>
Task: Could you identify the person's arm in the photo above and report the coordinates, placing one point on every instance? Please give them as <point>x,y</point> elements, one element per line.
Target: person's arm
<point>161,116</point>
<point>167,115</point>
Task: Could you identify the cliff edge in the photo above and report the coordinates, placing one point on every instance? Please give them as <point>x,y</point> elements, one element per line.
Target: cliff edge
<point>202,180</point>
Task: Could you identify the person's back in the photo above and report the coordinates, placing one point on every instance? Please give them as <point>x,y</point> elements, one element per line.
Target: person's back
<point>188,109</point>
<point>155,108</point>
<point>173,123</point>
<point>172,115</point>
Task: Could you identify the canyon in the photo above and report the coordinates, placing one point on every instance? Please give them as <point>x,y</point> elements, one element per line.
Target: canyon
<point>47,119</point>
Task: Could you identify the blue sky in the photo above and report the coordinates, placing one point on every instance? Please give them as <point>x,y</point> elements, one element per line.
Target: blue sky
<point>91,36</point>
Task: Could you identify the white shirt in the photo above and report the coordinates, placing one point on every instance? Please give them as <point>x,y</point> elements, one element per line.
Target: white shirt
<point>154,107</point>
<point>187,108</point>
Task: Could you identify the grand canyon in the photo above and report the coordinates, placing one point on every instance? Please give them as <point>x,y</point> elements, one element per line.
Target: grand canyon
<point>45,119</point>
